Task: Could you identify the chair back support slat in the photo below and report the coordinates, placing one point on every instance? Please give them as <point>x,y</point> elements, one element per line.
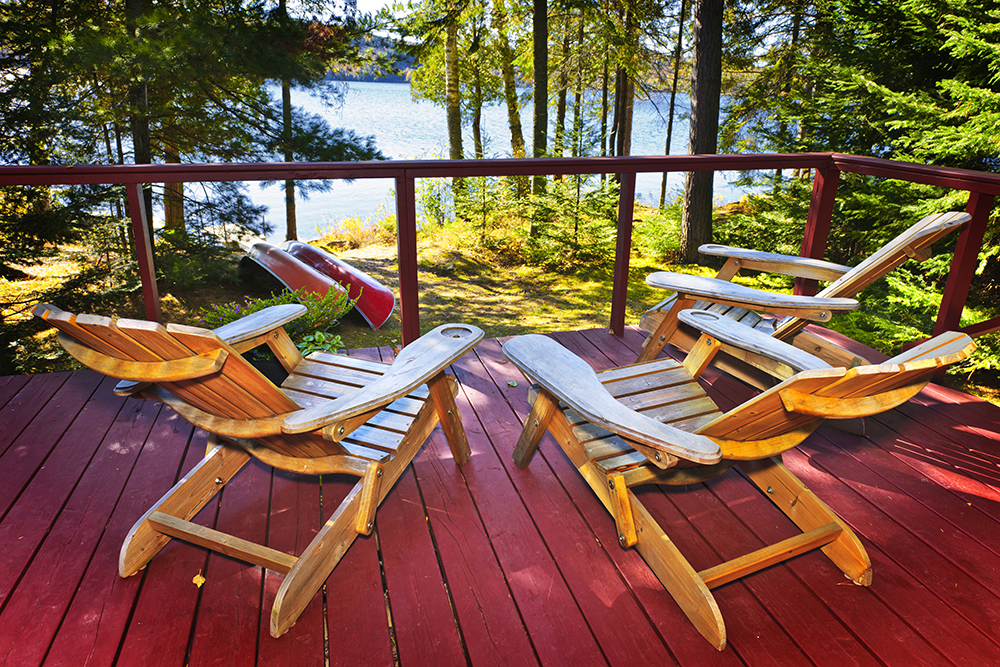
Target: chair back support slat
<point>922,234</point>
<point>237,391</point>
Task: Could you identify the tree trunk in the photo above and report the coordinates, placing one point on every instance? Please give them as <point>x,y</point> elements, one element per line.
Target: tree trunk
<point>173,194</point>
<point>540,30</point>
<point>477,117</point>
<point>604,117</point>
<point>578,94</point>
<point>560,141</point>
<point>139,102</point>
<point>624,97</point>
<point>673,95</point>
<point>453,98</point>
<point>510,93</point>
<point>291,224</point>
<point>706,88</point>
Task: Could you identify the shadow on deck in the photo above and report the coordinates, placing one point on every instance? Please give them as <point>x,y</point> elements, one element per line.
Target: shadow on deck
<point>487,564</point>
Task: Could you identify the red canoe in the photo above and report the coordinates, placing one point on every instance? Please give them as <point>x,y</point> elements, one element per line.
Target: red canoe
<point>290,271</point>
<point>376,301</point>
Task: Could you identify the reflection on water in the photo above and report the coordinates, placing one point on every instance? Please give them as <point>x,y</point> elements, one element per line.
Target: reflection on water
<point>408,129</point>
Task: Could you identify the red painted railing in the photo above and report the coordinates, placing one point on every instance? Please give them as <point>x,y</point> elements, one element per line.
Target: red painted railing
<point>982,188</point>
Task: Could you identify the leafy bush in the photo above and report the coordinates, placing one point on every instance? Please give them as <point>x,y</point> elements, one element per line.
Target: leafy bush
<point>322,312</point>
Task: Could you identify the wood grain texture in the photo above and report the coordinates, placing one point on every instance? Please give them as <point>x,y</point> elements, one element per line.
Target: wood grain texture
<point>724,292</point>
<point>787,265</point>
<point>417,363</point>
<point>573,381</point>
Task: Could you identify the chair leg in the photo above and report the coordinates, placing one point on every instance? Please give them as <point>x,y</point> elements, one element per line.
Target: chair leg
<point>339,532</point>
<point>808,512</point>
<point>668,564</point>
<point>677,576</point>
<point>442,394</point>
<point>664,332</point>
<point>183,501</point>
<point>542,410</point>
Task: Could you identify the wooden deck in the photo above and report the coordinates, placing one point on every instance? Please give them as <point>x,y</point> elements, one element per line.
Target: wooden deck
<point>487,564</point>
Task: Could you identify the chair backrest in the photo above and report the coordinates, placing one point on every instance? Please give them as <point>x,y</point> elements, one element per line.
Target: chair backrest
<point>911,244</point>
<point>151,352</point>
<point>908,245</point>
<point>795,407</point>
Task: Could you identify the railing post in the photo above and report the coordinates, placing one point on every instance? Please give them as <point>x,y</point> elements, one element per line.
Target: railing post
<point>963,265</point>
<point>406,249</point>
<point>144,251</point>
<point>623,250</point>
<point>818,222</point>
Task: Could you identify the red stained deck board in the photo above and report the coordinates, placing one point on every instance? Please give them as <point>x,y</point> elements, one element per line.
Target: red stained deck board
<point>159,631</point>
<point>807,622</point>
<point>500,535</point>
<point>425,627</point>
<point>603,598</point>
<point>10,385</point>
<point>229,607</point>
<point>492,628</point>
<point>39,504</point>
<point>418,597</point>
<point>980,523</point>
<point>672,627</point>
<point>295,520</point>
<point>29,450</point>
<point>871,614</point>
<point>555,624</point>
<point>921,541</point>
<point>37,606</point>
<point>23,406</point>
<point>92,629</point>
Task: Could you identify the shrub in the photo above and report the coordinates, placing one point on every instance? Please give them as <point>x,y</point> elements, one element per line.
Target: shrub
<point>322,312</point>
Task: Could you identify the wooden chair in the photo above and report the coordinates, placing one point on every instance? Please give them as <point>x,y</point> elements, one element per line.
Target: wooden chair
<point>333,414</point>
<point>652,423</point>
<point>741,303</point>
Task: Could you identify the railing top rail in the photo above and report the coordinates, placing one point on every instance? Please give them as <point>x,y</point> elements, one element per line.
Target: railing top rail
<point>959,179</point>
<point>173,173</point>
<point>948,177</point>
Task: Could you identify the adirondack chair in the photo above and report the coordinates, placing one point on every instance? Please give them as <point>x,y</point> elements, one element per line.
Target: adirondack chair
<point>652,423</point>
<point>333,414</point>
<point>740,303</point>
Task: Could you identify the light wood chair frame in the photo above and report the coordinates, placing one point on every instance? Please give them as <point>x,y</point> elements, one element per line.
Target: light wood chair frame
<point>651,423</point>
<point>742,304</point>
<point>393,406</point>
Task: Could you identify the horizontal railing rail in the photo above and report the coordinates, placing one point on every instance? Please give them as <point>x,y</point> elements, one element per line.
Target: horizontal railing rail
<point>982,188</point>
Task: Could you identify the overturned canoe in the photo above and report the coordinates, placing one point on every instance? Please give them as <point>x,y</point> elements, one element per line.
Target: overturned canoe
<point>290,271</point>
<point>375,301</point>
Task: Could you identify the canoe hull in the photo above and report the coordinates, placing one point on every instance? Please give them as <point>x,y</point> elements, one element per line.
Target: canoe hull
<point>375,301</point>
<point>290,271</point>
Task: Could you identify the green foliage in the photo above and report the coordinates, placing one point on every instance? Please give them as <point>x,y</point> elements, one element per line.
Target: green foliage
<point>319,342</point>
<point>657,233</point>
<point>322,312</point>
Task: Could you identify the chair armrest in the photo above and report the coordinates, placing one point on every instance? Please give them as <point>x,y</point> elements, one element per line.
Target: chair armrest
<point>723,292</point>
<point>261,322</point>
<point>788,265</point>
<point>415,364</point>
<point>747,338</point>
<point>572,381</point>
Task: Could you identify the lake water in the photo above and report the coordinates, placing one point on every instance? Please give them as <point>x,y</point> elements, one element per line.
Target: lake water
<point>408,129</point>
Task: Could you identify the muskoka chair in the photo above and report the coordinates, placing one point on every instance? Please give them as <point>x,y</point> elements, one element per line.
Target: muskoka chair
<point>741,303</point>
<point>333,414</point>
<point>652,423</point>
